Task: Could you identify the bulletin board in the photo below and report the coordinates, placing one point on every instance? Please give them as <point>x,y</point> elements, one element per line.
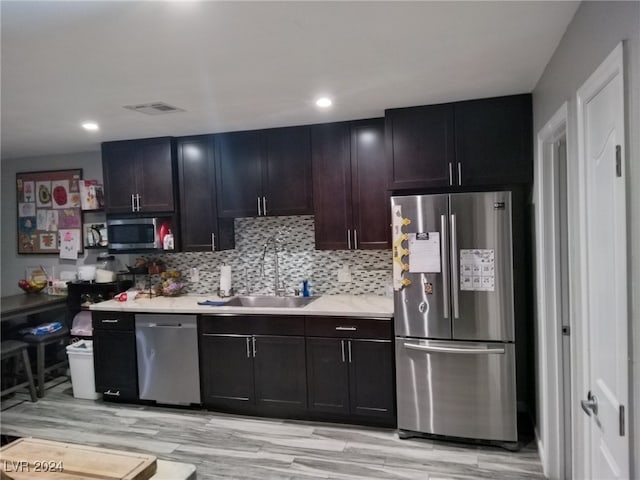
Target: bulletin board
<point>49,211</point>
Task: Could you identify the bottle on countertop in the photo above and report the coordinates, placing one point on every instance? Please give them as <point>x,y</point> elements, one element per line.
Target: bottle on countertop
<point>306,288</point>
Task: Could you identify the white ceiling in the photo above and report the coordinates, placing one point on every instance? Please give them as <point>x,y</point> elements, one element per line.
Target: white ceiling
<point>244,65</point>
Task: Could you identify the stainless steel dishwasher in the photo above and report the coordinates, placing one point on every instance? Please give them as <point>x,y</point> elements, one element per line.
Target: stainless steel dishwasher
<point>167,347</point>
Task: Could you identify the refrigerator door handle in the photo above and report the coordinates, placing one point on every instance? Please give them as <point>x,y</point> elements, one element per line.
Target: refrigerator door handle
<point>445,266</point>
<point>455,274</point>
<point>463,350</point>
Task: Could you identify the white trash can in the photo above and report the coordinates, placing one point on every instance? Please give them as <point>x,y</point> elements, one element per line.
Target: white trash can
<point>81,366</point>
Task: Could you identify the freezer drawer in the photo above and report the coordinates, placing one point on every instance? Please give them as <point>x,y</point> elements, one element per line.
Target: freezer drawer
<point>458,389</point>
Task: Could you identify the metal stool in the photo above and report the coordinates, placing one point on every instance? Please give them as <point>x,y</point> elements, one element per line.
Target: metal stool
<point>17,349</point>
<point>40,342</point>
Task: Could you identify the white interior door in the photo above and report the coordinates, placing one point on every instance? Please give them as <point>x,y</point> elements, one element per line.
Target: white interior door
<point>601,147</point>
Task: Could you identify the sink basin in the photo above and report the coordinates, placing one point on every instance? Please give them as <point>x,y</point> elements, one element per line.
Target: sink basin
<point>270,302</point>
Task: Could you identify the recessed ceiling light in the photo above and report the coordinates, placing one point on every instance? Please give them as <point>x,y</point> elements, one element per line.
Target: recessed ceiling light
<point>323,102</point>
<point>90,126</point>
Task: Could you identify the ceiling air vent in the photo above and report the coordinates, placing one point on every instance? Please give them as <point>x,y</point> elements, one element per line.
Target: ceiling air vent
<point>155,108</point>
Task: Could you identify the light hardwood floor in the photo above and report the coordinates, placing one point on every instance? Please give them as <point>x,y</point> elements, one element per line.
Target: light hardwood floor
<point>227,446</point>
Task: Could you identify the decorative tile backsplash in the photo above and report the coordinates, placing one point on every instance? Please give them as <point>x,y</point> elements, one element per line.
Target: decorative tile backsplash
<point>297,260</point>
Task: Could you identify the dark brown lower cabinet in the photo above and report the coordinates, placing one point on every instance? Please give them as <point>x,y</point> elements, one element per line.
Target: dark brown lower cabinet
<point>248,373</point>
<point>320,368</point>
<point>371,383</point>
<point>226,370</point>
<point>351,377</point>
<point>278,372</point>
<point>328,376</point>
<point>114,356</point>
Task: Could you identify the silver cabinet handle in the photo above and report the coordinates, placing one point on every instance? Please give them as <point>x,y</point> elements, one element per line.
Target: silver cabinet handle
<point>450,173</point>
<point>462,350</point>
<point>445,265</point>
<point>455,274</point>
<point>264,205</point>
<point>109,320</point>
<point>253,341</point>
<point>342,345</point>
<point>138,200</point>
<point>259,208</point>
<point>109,392</point>
<point>248,352</point>
<point>213,242</point>
<point>355,239</point>
<point>349,348</point>
<point>459,173</point>
<point>133,203</point>
<point>346,329</point>
<point>349,238</point>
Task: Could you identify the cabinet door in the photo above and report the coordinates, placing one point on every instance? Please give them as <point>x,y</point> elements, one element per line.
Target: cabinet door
<point>279,372</point>
<point>494,141</point>
<point>371,382</point>
<point>115,363</point>
<point>287,171</point>
<point>198,209</point>
<point>239,173</point>
<point>118,173</point>
<point>138,167</point>
<point>330,159</point>
<point>371,211</point>
<point>226,371</point>
<point>154,175</point>
<point>327,375</point>
<point>420,146</point>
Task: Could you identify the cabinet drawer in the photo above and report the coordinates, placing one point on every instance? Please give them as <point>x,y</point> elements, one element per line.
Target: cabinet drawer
<point>252,325</point>
<point>348,327</point>
<point>113,321</point>
<point>230,324</point>
<point>285,325</point>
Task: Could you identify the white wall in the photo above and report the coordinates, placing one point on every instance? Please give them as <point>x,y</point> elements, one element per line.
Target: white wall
<point>595,30</point>
<point>13,265</point>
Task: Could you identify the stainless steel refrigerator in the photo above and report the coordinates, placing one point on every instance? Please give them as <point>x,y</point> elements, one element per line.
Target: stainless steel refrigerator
<point>454,315</point>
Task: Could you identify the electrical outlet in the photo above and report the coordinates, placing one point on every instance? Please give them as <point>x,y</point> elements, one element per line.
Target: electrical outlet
<point>344,274</point>
<point>195,275</point>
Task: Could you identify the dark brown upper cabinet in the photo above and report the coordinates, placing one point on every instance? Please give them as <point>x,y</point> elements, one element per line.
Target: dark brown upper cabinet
<point>138,175</point>
<point>494,143</point>
<point>349,185</point>
<point>485,142</point>
<point>420,146</point>
<point>264,172</point>
<point>201,228</point>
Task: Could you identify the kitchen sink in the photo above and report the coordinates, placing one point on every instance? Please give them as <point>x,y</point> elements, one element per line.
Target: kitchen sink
<point>266,301</point>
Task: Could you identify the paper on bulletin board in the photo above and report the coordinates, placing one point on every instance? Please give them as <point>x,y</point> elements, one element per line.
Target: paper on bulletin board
<point>424,252</point>
<point>477,270</point>
<point>69,243</point>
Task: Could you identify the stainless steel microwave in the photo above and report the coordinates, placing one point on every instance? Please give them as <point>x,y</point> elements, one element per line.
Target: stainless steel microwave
<point>137,234</point>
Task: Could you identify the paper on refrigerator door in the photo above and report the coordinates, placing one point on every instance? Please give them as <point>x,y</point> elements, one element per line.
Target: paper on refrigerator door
<point>424,252</point>
<point>477,270</point>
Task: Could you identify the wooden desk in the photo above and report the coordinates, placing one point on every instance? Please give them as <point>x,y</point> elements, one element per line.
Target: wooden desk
<point>25,304</point>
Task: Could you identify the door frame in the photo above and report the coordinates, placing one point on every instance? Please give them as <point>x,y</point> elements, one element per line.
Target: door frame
<point>611,66</point>
<point>550,430</point>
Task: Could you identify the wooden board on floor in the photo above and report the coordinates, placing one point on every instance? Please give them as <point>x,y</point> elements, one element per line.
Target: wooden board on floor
<point>28,458</point>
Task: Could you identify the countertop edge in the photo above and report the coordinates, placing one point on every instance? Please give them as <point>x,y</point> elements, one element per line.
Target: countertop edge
<point>327,305</point>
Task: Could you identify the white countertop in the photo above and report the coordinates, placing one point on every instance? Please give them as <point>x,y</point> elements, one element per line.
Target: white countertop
<point>332,305</point>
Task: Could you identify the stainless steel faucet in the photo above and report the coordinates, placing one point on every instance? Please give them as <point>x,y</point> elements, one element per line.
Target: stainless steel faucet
<point>279,289</point>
